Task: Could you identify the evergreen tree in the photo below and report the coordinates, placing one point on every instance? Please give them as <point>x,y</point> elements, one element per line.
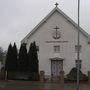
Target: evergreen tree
<point>35,58</point>
<point>1,54</point>
<point>9,59</point>
<point>15,62</point>
<point>23,59</point>
<point>33,62</point>
<point>30,59</point>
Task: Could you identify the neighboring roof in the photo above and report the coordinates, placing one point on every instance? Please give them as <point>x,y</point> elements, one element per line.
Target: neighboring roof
<point>65,16</point>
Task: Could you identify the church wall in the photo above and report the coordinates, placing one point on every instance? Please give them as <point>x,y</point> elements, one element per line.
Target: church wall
<point>43,35</point>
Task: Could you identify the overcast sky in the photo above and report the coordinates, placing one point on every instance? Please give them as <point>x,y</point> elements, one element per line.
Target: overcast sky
<point>19,17</point>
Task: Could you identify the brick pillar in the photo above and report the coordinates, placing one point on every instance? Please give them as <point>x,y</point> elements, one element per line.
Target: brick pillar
<point>42,76</point>
<point>89,76</point>
<point>62,77</point>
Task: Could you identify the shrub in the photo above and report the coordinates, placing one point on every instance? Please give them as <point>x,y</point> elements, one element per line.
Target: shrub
<point>73,75</point>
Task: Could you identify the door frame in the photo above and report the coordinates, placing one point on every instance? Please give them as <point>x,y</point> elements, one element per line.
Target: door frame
<point>57,61</point>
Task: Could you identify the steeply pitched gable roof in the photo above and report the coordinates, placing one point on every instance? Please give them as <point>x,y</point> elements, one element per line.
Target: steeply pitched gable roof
<point>65,16</point>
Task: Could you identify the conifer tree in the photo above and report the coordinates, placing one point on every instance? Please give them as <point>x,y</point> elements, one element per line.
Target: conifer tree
<point>9,61</point>
<point>23,59</point>
<point>15,62</point>
<point>33,61</point>
<point>30,59</point>
<point>35,58</point>
<point>1,54</point>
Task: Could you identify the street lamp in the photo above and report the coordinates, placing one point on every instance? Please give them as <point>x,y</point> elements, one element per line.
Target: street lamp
<point>78,45</point>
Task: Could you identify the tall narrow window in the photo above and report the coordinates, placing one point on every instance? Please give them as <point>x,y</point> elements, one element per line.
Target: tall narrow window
<point>78,62</point>
<point>57,49</point>
<point>76,48</point>
<point>37,48</point>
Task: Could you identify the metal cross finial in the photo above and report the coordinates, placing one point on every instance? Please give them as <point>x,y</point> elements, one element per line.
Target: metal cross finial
<point>56,4</point>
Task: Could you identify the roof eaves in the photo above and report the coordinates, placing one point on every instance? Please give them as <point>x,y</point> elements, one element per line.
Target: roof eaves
<point>65,16</point>
<point>37,26</point>
<point>73,23</point>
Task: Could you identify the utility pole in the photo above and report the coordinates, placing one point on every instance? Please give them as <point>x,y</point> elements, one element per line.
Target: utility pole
<point>78,45</point>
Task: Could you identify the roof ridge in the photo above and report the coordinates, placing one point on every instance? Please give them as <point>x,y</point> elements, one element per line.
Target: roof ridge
<point>64,15</point>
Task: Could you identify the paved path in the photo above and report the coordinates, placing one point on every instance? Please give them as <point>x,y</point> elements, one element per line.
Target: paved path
<point>27,85</point>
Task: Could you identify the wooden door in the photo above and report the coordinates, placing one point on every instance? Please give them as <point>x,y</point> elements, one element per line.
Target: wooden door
<point>56,67</point>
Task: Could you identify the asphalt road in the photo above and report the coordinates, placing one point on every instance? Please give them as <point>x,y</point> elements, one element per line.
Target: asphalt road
<point>28,85</point>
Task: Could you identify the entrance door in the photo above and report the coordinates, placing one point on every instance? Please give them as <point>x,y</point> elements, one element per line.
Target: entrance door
<point>56,67</point>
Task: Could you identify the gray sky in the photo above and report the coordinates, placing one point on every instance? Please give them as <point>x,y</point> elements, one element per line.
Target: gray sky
<point>19,17</point>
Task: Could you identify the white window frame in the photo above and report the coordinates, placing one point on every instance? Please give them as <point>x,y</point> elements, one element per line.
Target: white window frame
<point>57,48</point>
<point>76,48</point>
<point>37,47</point>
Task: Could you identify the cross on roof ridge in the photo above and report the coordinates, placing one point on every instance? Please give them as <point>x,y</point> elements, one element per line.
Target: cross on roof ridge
<point>56,4</point>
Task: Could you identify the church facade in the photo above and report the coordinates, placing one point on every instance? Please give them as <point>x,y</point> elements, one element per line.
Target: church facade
<point>56,39</point>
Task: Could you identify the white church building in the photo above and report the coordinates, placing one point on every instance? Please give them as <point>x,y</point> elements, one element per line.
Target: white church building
<point>56,39</point>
